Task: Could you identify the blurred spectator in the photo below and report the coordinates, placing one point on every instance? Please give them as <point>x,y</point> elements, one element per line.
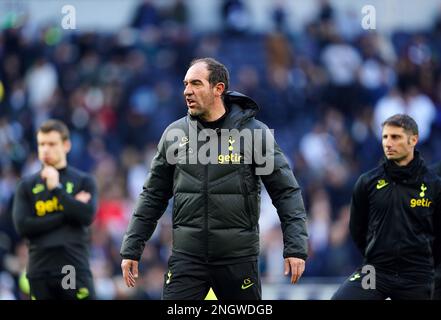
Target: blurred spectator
<point>326,11</point>
<point>342,62</point>
<point>178,12</point>
<point>280,57</point>
<point>318,149</point>
<point>41,82</point>
<point>348,24</point>
<point>409,100</point>
<point>235,16</point>
<point>376,75</point>
<point>279,16</point>
<point>146,15</point>
<point>318,230</point>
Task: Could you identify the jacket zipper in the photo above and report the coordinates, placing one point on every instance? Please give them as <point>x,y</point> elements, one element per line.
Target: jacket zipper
<point>371,243</point>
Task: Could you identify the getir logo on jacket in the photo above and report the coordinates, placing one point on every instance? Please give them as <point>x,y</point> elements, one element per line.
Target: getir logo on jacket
<point>231,157</point>
<point>42,207</point>
<point>424,202</point>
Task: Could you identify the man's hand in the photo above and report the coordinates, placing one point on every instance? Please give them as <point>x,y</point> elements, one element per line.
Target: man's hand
<point>51,176</point>
<point>296,266</point>
<point>83,196</point>
<point>130,272</point>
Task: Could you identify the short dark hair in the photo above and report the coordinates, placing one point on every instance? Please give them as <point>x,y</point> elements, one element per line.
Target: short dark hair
<point>217,71</point>
<point>402,121</point>
<point>55,125</point>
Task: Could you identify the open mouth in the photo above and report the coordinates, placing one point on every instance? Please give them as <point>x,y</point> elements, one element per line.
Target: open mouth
<point>190,103</point>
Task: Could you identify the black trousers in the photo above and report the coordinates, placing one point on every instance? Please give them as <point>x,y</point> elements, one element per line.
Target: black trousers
<point>50,288</point>
<point>189,280</point>
<point>387,285</point>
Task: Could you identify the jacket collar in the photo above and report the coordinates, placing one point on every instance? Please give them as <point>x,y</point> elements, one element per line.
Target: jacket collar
<point>241,109</point>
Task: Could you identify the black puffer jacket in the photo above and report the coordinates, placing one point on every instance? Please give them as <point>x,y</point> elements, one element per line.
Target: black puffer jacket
<point>216,206</point>
<point>437,168</point>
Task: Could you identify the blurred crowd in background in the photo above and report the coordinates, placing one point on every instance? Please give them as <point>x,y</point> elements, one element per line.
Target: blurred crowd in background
<point>324,90</point>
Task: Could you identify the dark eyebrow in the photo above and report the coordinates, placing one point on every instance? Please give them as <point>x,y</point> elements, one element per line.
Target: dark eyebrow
<point>393,135</point>
<point>194,81</point>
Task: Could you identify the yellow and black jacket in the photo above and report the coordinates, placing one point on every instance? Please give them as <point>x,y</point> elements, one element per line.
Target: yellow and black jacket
<point>55,224</point>
<point>396,217</point>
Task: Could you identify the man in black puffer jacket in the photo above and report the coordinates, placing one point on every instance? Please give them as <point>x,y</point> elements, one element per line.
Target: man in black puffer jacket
<point>396,221</point>
<point>216,202</point>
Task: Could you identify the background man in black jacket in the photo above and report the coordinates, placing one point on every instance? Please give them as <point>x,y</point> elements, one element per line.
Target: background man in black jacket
<point>216,205</point>
<point>53,210</point>
<point>396,221</point>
